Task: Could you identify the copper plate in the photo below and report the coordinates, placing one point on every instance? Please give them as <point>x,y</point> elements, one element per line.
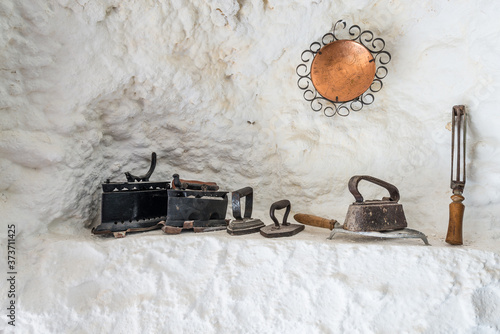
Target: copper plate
<point>342,70</point>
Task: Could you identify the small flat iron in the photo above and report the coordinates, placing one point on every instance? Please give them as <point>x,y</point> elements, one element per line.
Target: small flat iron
<point>246,224</point>
<point>285,229</point>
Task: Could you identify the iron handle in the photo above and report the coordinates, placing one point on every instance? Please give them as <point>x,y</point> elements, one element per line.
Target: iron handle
<point>284,203</point>
<point>193,185</point>
<point>142,178</point>
<point>246,192</point>
<point>199,186</point>
<point>353,187</point>
<point>315,221</point>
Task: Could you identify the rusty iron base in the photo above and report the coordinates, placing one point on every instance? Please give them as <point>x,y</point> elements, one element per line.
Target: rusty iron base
<point>375,216</point>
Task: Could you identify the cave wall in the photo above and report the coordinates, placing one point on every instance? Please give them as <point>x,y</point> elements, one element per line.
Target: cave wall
<point>88,89</point>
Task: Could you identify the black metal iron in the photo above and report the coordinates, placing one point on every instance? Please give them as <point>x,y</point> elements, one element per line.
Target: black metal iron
<point>133,206</point>
<point>375,215</point>
<point>246,224</point>
<point>286,229</point>
<point>195,209</point>
<point>355,33</point>
<point>141,206</point>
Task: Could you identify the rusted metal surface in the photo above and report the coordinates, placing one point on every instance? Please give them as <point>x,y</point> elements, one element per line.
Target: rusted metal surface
<point>171,229</point>
<point>374,215</point>
<point>286,229</point>
<point>343,70</point>
<point>246,224</point>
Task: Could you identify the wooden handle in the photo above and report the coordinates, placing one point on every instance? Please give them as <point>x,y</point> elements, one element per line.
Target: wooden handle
<point>196,185</point>
<point>315,221</point>
<point>454,235</point>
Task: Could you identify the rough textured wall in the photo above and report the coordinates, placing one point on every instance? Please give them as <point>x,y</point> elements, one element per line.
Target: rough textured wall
<point>88,89</point>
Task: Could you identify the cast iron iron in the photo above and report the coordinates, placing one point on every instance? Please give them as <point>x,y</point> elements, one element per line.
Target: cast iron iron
<point>195,205</point>
<point>133,206</point>
<point>374,215</point>
<point>246,224</point>
<point>377,218</point>
<point>285,229</point>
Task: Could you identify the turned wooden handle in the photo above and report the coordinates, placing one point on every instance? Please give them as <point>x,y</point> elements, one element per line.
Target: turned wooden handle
<point>454,235</point>
<point>315,221</point>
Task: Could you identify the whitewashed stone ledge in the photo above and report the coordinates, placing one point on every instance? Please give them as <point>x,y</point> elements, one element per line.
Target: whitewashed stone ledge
<point>216,283</point>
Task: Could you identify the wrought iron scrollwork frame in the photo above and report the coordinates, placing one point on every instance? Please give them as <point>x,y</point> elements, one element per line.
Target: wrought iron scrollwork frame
<point>330,108</point>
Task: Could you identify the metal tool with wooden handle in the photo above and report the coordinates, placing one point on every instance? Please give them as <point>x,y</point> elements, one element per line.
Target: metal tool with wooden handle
<point>315,221</point>
<point>458,123</point>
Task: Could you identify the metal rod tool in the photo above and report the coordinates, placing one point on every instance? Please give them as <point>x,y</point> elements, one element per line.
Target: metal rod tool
<point>457,184</point>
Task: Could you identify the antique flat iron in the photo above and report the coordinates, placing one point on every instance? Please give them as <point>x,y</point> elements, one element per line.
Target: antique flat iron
<point>285,229</point>
<point>374,215</point>
<point>376,218</point>
<point>133,206</point>
<point>246,224</point>
<point>458,123</point>
<point>195,205</point>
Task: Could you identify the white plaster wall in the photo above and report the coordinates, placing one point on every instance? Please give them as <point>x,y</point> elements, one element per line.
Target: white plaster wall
<point>88,89</point>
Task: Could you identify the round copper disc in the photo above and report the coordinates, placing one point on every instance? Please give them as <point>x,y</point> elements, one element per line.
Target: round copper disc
<point>342,70</point>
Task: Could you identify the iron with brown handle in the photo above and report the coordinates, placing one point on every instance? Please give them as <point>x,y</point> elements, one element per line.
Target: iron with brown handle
<point>312,220</point>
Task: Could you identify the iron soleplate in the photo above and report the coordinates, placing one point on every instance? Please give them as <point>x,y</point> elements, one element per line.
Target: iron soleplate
<point>272,231</point>
<point>244,226</point>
